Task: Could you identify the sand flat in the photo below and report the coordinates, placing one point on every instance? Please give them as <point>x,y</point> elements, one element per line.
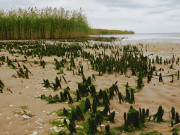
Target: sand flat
<point>25,92</point>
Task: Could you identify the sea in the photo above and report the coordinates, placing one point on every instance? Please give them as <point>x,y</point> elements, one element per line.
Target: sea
<point>147,38</point>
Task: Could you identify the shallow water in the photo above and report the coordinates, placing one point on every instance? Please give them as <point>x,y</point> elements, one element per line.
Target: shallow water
<point>148,38</point>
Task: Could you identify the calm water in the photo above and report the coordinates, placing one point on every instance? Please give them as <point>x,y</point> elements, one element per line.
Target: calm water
<point>148,38</point>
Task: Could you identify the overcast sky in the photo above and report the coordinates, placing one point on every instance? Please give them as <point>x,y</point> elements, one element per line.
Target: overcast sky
<point>141,16</point>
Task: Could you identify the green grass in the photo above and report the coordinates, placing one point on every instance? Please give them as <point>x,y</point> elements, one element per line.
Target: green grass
<point>60,112</point>
<point>86,39</point>
<point>74,93</point>
<point>132,130</point>
<point>98,74</point>
<point>82,105</point>
<point>151,133</point>
<point>51,112</point>
<point>57,123</point>
<point>24,107</point>
<point>24,113</point>
<point>176,130</point>
<point>109,32</point>
<point>84,130</point>
<point>59,133</point>
<point>137,90</point>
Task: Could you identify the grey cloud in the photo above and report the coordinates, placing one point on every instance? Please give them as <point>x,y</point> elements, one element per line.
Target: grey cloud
<point>156,12</point>
<point>140,3</point>
<point>9,4</point>
<point>121,3</point>
<point>148,6</point>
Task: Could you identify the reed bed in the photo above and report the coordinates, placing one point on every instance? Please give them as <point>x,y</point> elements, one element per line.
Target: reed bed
<point>110,32</point>
<point>47,23</point>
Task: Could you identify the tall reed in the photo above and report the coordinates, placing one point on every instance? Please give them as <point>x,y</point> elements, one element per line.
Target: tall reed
<point>110,32</point>
<point>47,23</point>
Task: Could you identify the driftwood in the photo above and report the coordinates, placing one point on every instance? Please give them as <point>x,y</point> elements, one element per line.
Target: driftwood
<point>64,78</point>
<point>9,90</point>
<point>14,76</point>
<point>175,126</point>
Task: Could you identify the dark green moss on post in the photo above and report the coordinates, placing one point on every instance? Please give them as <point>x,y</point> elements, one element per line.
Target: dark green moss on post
<point>1,86</point>
<point>158,116</point>
<point>133,117</point>
<point>87,105</point>
<point>107,128</point>
<point>172,113</point>
<point>177,118</point>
